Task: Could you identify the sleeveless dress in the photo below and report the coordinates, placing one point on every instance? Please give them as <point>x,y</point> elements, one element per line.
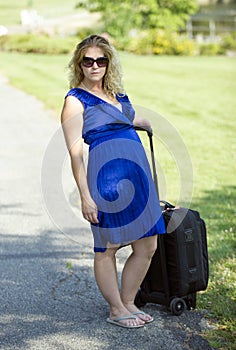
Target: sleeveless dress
<point>118,173</point>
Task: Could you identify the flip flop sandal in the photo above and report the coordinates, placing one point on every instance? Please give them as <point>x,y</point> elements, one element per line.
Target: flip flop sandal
<point>116,321</point>
<point>143,313</point>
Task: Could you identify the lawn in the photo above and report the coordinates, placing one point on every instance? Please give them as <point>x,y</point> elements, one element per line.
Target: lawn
<point>196,98</point>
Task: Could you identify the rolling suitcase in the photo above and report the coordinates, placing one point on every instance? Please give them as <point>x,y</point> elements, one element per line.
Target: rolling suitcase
<point>179,267</point>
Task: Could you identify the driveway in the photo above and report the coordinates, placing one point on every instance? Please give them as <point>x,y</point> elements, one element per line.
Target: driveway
<point>48,297</point>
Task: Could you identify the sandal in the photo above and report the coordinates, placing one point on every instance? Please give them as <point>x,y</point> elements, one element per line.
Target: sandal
<point>144,314</point>
<point>116,321</point>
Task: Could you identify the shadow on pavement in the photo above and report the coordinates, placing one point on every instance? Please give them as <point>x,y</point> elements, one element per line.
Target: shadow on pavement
<point>49,300</point>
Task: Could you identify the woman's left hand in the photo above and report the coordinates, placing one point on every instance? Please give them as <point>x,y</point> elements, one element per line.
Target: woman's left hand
<point>141,122</point>
<point>90,211</point>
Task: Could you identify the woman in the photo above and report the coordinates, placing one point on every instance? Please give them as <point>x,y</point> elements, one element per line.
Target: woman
<point>118,196</point>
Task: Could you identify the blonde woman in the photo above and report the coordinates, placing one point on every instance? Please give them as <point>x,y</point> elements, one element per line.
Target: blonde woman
<point>117,193</point>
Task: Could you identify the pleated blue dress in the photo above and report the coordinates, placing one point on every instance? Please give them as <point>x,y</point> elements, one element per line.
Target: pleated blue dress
<point>118,174</point>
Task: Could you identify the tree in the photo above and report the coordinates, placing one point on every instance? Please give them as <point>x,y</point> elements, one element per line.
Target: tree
<point>120,17</point>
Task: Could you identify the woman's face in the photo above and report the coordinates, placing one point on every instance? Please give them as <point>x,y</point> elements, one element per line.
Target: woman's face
<point>94,73</point>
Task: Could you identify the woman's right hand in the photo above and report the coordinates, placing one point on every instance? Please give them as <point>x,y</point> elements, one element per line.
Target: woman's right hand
<point>90,211</point>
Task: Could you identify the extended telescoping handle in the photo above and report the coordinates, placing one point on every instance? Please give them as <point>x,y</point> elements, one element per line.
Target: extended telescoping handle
<point>161,242</point>
<point>150,134</point>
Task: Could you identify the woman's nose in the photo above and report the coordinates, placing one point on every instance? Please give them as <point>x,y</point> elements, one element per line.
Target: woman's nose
<point>95,63</point>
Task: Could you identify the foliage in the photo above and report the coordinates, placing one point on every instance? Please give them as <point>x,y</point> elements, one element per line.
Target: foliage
<point>211,49</point>
<point>120,17</point>
<point>158,43</point>
<point>164,42</point>
<point>145,42</point>
<point>32,43</point>
<point>228,41</point>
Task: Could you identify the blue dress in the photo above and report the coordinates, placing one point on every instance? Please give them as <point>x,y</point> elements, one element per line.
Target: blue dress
<point>118,173</point>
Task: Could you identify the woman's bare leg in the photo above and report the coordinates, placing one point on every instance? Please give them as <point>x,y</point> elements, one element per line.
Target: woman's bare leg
<point>106,277</point>
<point>135,270</point>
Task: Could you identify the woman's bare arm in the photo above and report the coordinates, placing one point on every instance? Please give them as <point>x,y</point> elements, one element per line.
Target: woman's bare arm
<point>72,123</point>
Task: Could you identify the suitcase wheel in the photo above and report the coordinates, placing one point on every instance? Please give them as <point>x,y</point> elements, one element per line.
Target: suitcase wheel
<point>177,306</point>
<point>138,299</point>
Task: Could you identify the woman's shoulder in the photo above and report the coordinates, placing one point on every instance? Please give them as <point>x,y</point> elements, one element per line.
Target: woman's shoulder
<point>84,96</point>
<point>72,106</point>
<point>72,96</point>
<point>74,92</point>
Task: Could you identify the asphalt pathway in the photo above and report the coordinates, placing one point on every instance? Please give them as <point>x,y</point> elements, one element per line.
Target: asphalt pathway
<point>48,297</point>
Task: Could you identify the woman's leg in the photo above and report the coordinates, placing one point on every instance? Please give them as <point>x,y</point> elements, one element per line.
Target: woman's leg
<point>106,277</point>
<point>135,270</point>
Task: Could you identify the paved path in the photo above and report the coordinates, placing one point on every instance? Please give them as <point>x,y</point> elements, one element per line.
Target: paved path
<point>45,305</point>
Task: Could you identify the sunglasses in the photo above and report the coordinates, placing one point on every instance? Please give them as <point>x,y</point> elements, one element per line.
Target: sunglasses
<point>89,61</point>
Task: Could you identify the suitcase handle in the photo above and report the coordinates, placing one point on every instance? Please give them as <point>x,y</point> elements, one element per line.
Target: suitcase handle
<point>144,128</point>
<point>167,205</point>
<point>150,134</point>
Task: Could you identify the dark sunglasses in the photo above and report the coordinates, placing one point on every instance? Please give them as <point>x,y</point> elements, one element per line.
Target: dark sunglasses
<point>89,61</point>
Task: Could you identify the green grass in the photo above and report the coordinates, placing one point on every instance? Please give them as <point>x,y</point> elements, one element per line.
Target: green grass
<point>10,10</point>
<point>197,96</point>
<point>40,75</point>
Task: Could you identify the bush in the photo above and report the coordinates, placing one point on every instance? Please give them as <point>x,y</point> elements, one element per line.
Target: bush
<point>228,41</point>
<point>173,44</point>
<point>157,43</point>
<point>146,42</point>
<point>32,43</point>
<point>211,49</point>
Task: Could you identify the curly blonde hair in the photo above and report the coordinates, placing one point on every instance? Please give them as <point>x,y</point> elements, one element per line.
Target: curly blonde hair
<point>112,81</point>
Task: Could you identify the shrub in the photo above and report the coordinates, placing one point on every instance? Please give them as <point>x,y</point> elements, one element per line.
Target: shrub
<point>211,49</point>
<point>173,44</point>
<point>157,43</point>
<point>228,41</point>
<point>32,43</point>
<point>139,42</point>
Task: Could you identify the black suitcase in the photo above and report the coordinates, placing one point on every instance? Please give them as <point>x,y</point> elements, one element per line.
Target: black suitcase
<point>179,267</point>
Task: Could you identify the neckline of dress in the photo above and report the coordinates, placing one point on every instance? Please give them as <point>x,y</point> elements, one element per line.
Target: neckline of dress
<point>104,101</point>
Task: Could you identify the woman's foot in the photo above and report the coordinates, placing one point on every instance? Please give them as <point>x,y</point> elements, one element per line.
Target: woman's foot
<point>140,314</point>
<point>119,321</point>
<point>125,318</point>
<point>143,316</point>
